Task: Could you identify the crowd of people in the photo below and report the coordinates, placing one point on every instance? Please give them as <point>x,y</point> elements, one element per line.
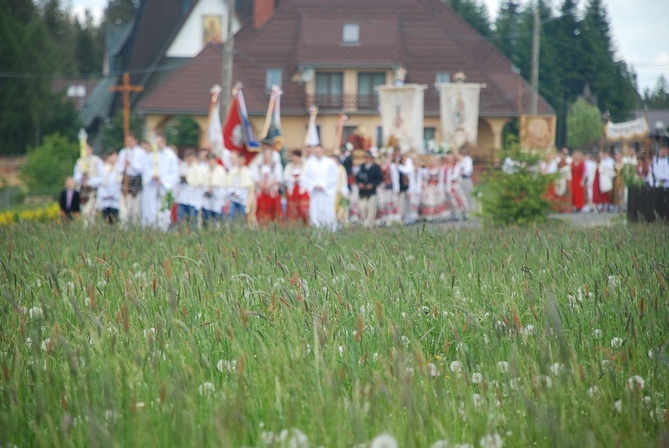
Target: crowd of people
<point>149,185</point>
<point>589,183</point>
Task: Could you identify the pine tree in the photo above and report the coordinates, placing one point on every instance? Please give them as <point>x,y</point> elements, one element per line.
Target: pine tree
<point>659,97</point>
<point>120,11</point>
<point>474,13</point>
<point>506,34</point>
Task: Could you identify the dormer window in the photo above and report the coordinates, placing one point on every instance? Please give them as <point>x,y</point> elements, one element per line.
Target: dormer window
<point>351,33</point>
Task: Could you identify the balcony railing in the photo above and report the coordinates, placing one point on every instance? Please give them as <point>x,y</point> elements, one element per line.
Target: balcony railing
<point>346,102</point>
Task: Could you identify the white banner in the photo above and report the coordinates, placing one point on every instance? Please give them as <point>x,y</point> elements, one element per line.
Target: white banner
<point>629,130</point>
<point>459,107</point>
<point>402,112</point>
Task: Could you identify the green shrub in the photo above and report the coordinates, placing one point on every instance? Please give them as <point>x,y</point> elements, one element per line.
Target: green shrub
<point>517,197</point>
<point>48,165</point>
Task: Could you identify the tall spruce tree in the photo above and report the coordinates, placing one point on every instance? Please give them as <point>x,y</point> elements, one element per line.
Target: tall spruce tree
<point>506,33</point>
<point>474,12</point>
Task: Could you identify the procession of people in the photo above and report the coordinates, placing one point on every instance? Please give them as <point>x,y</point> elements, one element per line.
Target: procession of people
<point>148,185</point>
<point>598,182</point>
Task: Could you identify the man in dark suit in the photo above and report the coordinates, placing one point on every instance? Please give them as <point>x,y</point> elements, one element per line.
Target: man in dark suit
<point>70,202</point>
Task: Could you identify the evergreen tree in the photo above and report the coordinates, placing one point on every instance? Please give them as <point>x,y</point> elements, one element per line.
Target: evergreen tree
<point>89,46</point>
<point>474,13</point>
<point>120,11</point>
<point>506,33</point>
<point>659,97</point>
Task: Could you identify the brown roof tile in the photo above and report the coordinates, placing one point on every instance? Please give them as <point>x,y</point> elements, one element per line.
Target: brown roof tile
<point>425,36</point>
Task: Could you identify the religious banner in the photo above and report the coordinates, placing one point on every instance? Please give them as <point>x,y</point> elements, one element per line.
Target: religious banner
<point>459,109</point>
<point>537,131</point>
<point>401,110</point>
<point>237,132</point>
<point>214,130</point>
<point>627,131</point>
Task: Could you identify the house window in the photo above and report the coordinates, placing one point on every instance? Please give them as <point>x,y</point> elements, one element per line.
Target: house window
<point>429,133</point>
<point>367,96</point>
<point>330,89</point>
<point>443,77</point>
<point>379,136</point>
<point>351,33</point>
<point>76,91</point>
<point>272,78</point>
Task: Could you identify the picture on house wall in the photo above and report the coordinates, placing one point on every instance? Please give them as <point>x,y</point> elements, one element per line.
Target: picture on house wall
<point>212,29</point>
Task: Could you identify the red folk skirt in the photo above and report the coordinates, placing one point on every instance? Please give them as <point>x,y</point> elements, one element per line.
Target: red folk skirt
<point>297,206</point>
<point>268,207</point>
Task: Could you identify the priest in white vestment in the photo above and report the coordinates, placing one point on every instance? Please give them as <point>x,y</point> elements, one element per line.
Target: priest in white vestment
<point>160,176</point>
<point>320,179</point>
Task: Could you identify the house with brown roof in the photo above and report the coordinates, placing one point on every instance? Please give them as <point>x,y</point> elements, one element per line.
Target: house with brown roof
<point>333,53</point>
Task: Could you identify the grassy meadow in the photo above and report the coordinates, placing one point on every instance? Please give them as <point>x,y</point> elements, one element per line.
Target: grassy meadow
<point>291,338</point>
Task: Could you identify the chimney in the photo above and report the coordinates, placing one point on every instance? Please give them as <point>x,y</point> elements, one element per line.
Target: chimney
<point>263,10</point>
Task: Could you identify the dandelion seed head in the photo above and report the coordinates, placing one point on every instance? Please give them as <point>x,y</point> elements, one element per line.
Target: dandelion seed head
<point>616,342</point>
<point>477,378</point>
<point>456,367</point>
<point>597,333</point>
<point>440,444</point>
<point>503,366</point>
<point>432,370</point>
<point>206,389</point>
<point>491,441</point>
<point>636,382</point>
<point>35,312</point>
<point>618,405</point>
<point>384,440</point>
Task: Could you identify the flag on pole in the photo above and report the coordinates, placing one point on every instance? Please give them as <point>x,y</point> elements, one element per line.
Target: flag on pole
<point>237,132</point>
<point>214,130</point>
<point>312,139</point>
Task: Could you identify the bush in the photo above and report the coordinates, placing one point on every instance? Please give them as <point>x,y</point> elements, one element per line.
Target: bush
<point>519,196</point>
<point>48,165</point>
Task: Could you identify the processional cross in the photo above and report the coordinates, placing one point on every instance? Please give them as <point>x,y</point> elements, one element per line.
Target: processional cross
<point>126,88</point>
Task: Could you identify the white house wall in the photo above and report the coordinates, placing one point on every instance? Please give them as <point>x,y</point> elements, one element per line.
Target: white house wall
<point>189,40</point>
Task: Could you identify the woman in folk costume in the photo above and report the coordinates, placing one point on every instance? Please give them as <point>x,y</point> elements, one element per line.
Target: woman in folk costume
<point>454,191</point>
<point>433,201</point>
<point>213,196</point>
<point>297,197</point>
<point>578,181</point>
<point>562,185</point>
<point>343,193</point>
<point>618,191</point>
<point>386,194</point>
<point>603,184</point>
<point>268,176</point>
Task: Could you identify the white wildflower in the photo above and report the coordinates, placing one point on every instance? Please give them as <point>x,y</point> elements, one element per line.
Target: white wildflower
<point>486,339</point>
<point>150,331</point>
<point>659,414</point>
<point>405,340</point>
<point>614,281</point>
<point>616,342</point>
<point>492,441</point>
<point>557,368</point>
<point>384,441</point>
<point>35,312</point>
<point>597,333</point>
<point>223,365</point>
<point>646,401</point>
<point>375,357</point>
<point>340,349</point>
<point>543,380</point>
<point>45,344</point>
<point>87,301</point>
<point>593,391</point>
<point>432,370</point>
<point>29,342</point>
<point>528,330</point>
<point>503,366</point>
<point>456,367</point>
<point>206,389</point>
<point>618,405</point>
<point>651,354</point>
<point>477,378</point>
<point>636,382</point>
<point>293,438</point>
<point>267,438</point>
<point>440,444</point>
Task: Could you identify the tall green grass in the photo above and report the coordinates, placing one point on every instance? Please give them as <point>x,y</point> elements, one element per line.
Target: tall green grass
<point>222,338</point>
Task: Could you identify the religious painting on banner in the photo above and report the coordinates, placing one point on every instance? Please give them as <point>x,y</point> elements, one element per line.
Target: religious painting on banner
<point>402,114</point>
<point>238,135</point>
<point>537,132</point>
<point>211,30</point>
<point>459,110</point>
<point>627,131</point>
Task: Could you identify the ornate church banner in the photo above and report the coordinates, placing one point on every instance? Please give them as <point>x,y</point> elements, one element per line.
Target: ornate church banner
<point>459,107</point>
<point>537,132</point>
<point>629,130</point>
<point>402,111</point>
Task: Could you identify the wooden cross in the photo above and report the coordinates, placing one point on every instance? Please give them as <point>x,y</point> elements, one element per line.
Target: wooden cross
<point>126,88</point>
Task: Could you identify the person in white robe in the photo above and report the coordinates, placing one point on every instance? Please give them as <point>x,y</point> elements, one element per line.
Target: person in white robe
<point>109,191</point>
<point>88,174</point>
<point>320,178</point>
<point>130,168</point>
<point>160,176</point>
<point>214,191</point>
<point>188,194</point>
